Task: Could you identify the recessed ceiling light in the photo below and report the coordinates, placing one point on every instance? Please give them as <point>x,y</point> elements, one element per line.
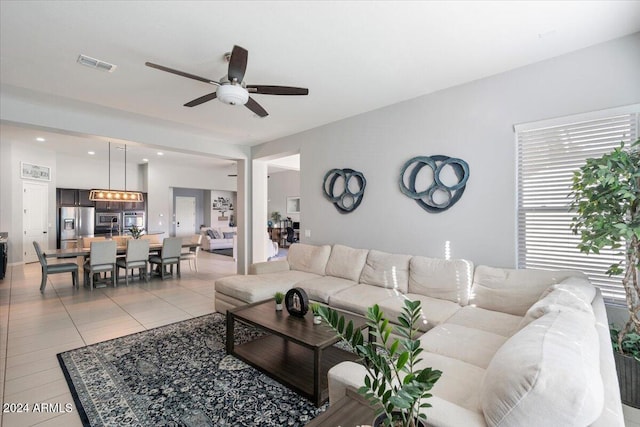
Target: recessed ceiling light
<point>40,139</point>
<point>145,160</point>
<point>160,153</point>
<point>91,153</point>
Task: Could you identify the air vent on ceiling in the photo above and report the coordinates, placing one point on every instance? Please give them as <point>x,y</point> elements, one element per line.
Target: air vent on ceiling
<point>96,63</point>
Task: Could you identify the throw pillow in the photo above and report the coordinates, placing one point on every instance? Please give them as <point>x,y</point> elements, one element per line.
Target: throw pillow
<point>216,234</point>
<point>228,235</point>
<point>210,234</point>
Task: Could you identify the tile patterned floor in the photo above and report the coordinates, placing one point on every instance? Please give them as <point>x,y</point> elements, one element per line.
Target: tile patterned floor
<point>35,327</point>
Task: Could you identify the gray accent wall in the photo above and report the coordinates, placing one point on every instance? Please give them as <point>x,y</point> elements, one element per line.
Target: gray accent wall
<point>474,122</point>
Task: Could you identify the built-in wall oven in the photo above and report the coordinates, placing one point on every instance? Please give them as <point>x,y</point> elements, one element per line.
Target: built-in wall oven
<point>133,218</point>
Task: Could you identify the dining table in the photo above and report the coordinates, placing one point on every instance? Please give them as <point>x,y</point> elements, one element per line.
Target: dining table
<point>120,250</point>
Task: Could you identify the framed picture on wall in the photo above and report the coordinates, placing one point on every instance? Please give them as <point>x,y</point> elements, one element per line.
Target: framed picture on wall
<point>293,205</point>
<point>31,171</point>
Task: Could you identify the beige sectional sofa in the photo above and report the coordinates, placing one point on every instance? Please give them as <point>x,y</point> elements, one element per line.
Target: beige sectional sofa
<point>516,347</point>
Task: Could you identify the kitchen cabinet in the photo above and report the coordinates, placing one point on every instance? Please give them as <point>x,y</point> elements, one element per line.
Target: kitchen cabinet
<point>74,197</point>
<point>83,198</point>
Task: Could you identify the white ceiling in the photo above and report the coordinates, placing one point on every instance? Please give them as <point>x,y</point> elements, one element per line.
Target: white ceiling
<point>354,56</point>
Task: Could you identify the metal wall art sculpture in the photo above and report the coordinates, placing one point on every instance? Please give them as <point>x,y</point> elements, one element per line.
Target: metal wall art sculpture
<point>344,188</point>
<point>446,195</point>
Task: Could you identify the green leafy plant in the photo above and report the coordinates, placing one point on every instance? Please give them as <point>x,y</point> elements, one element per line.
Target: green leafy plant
<point>315,308</point>
<point>606,201</point>
<point>276,216</point>
<point>393,380</point>
<point>279,296</point>
<point>136,231</point>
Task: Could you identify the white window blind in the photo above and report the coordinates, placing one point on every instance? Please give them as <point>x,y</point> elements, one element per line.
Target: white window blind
<point>547,155</point>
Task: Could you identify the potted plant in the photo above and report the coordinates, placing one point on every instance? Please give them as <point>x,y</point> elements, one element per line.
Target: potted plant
<point>276,216</point>
<point>606,200</point>
<point>315,309</point>
<point>392,382</point>
<point>279,296</point>
<point>136,231</point>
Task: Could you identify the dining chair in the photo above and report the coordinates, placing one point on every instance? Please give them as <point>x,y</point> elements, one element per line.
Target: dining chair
<point>67,267</point>
<point>137,256</point>
<point>169,256</point>
<point>102,259</point>
<point>192,255</point>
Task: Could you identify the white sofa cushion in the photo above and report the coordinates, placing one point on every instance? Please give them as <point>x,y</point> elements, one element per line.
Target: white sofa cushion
<point>460,381</point>
<point>308,258</point>
<point>252,288</point>
<point>486,320</point>
<point>556,300</point>
<point>358,298</point>
<point>434,311</point>
<point>545,374</point>
<point>580,287</point>
<point>346,262</point>
<point>386,271</point>
<point>322,288</point>
<point>439,278</point>
<point>460,342</point>
<point>512,291</point>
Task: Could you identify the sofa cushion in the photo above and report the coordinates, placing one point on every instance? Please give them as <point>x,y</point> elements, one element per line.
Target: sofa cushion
<point>211,234</point>
<point>346,262</point>
<point>580,287</point>
<point>434,311</point>
<point>308,258</point>
<point>557,300</point>
<point>460,342</point>
<point>545,374</point>
<point>486,320</point>
<point>460,381</point>
<point>358,298</point>
<point>439,278</point>
<point>386,271</point>
<point>254,288</point>
<point>322,288</point>
<point>512,291</point>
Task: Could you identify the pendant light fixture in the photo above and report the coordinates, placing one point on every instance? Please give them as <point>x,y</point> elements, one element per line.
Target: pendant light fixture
<point>116,195</point>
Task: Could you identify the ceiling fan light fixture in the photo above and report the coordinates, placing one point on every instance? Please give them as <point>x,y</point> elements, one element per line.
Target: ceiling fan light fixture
<point>232,94</point>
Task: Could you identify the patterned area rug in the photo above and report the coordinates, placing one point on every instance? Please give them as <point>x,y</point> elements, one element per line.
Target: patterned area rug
<point>225,252</point>
<point>178,375</point>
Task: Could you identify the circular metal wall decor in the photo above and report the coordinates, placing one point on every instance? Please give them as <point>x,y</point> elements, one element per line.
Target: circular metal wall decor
<point>297,302</point>
<point>449,194</point>
<point>350,185</point>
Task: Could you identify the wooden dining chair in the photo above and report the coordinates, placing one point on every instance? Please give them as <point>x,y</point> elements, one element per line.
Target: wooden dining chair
<point>102,258</point>
<point>137,257</point>
<point>169,256</point>
<point>66,267</point>
<point>192,255</point>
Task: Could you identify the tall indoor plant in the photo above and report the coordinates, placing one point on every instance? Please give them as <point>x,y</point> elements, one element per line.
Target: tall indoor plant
<point>393,380</point>
<point>606,201</point>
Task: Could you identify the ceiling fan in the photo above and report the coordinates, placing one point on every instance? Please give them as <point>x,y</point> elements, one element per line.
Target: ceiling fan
<point>232,89</point>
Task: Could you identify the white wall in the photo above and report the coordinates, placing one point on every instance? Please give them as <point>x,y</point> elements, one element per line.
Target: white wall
<point>87,172</point>
<point>282,185</point>
<point>473,122</point>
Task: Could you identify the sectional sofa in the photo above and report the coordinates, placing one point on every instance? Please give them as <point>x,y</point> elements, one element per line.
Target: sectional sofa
<point>516,347</point>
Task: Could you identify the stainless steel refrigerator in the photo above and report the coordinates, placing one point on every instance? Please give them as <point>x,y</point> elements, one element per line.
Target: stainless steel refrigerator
<point>75,222</point>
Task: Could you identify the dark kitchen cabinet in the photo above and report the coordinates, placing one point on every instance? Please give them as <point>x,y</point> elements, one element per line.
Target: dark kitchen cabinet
<point>67,197</point>
<point>74,197</point>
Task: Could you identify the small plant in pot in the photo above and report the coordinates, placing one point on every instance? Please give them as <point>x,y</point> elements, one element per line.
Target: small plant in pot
<point>606,201</point>
<point>392,381</point>
<point>136,231</point>
<point>315,309</point>
<point>279,297</point>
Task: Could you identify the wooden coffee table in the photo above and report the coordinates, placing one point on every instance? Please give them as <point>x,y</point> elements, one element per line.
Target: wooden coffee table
<point>295,351</point>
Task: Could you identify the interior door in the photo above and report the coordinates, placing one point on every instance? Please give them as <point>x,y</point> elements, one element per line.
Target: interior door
<point>35,207</point>
<point>185,216</point>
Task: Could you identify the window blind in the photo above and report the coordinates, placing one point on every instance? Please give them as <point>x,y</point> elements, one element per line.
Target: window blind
<point>548,153</point>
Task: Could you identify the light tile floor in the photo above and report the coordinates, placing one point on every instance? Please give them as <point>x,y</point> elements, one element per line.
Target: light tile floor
<point>35,327</point>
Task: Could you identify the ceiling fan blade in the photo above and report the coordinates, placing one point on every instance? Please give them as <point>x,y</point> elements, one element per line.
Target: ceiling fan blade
<point>201,100</point>
<point>181,73</point>
<point>256,108</point>
<point>277,90</point>
<point>237,63</point>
